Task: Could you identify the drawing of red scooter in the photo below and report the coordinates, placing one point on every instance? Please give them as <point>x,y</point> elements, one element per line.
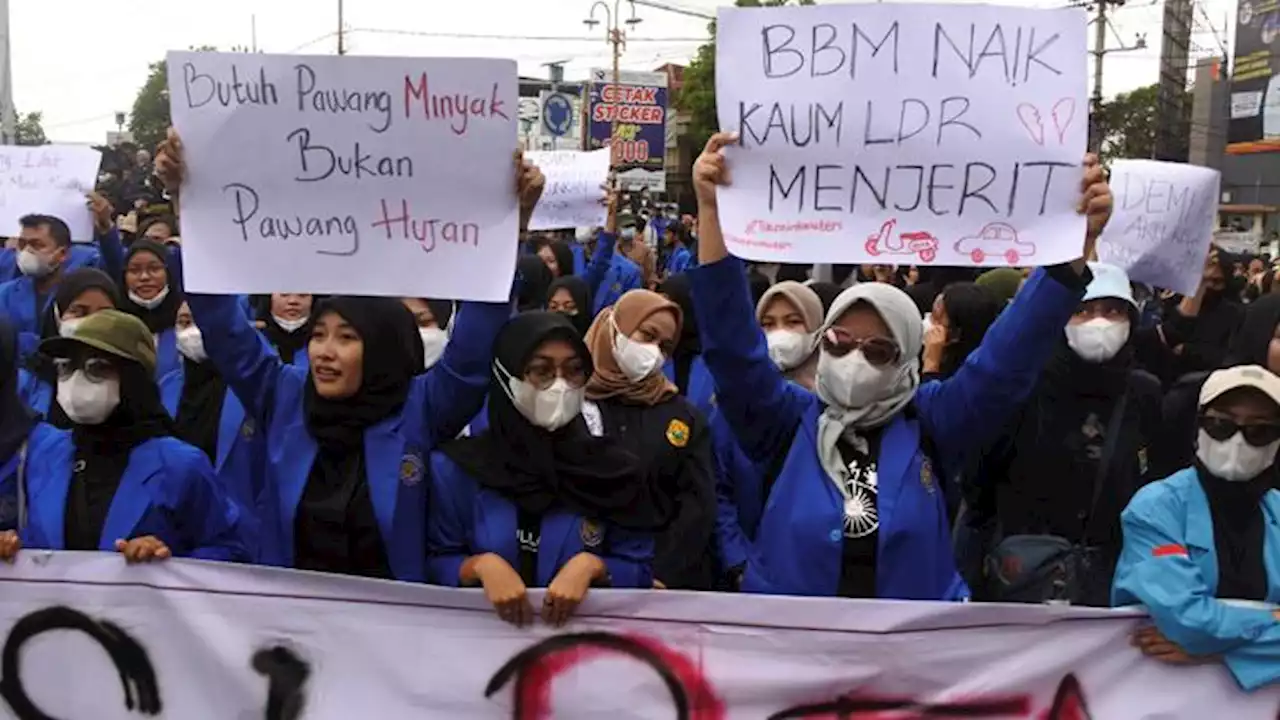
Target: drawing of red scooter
<point>907,243</point>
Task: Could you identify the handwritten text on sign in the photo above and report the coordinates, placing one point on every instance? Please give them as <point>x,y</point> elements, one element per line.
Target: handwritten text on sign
<point>572,195</point>
<point>903,133</point>
<point>1162,222</point>
<point>375,176</point>
<point>49,180</point>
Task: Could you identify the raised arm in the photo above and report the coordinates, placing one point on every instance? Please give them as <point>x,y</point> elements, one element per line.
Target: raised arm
<point>761,407</point>
<point>454,388</point>
<point>606,242</point>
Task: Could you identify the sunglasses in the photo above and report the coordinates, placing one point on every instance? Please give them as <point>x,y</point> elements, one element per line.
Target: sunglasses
<point>877,350</point>
<point>1220,429</point>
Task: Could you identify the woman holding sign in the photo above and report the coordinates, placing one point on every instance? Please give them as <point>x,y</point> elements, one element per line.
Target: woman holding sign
<point>344,488</point>
<point>855,507</point>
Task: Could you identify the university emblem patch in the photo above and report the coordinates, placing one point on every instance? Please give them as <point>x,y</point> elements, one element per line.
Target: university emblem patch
<point>678,433</point>
<point>591,533</point>
<point>410,469</point>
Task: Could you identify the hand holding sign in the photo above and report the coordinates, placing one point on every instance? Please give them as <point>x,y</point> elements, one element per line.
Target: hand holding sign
<point>102,213</point>
<point>529,184</point>
<point>170,166</point>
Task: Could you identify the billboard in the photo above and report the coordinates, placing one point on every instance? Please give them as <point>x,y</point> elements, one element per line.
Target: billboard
<point>1255,79</point>
<point>638,103</point>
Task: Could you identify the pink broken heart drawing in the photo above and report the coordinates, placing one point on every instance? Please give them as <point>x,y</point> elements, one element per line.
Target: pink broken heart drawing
<point>1062,113</point>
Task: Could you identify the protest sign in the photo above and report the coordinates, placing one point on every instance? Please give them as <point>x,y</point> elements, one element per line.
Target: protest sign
<point>1248,243</point>
<point>572,196</point>
<point>369,176</point>
<point>898,133</point>
<point>638,104</point>
<point>211,640</point>
<point>48,180</point>
<point>1162,220</point>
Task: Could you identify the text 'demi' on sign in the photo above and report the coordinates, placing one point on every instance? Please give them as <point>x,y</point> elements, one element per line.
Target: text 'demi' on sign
<point>903,133</point>
<point>371,176</point>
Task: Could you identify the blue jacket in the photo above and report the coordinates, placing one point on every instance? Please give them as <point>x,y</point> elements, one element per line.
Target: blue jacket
<point>701,392</point>
<point>610,274</point>
<point>799,542</point>
<point>36,393</point>
<point>440,403</point>
<point>18,303</point>
<point>579,258</point>
<point>8,265</point>
<point>739,495</point>
<point>466,519</point>
<point>82,255</point>
<point>167,490</point>
<point>680,260</point>
<point>238,466</point>
<point>1169,565</point>
<point>168,359</point>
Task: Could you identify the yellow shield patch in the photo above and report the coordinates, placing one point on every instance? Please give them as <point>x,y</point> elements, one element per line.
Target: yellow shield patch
<point>591,533</point>
<point>678,433</point>
<point>926,475</point>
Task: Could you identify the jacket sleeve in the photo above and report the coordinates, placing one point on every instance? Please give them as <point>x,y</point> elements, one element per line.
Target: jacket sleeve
<point>681,551</point>
<point>971,408</point>
<point>731,542</point>
<point>1257,663</point>
<point>761,407</point>
<point>213,522</point>
<point>111,251</point>
<point>1156,571</point>
<point>455,387</point>
<point>450,509</point>
<point>600,260</point>
<point>629,559</point>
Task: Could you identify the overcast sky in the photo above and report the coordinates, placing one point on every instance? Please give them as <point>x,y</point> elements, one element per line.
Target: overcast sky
<point>80,61</point>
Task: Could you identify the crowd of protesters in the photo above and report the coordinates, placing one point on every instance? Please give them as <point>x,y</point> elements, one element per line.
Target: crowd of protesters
<point>651,412</point>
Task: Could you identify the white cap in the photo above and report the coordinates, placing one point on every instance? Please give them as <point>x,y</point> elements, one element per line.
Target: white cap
<point>1221,382</point>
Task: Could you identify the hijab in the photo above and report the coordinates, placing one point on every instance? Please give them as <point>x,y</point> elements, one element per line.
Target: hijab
<point>688,344</point>
<point>581,294</point>
<point>73,285</point>
<point>609,382</point>
<point>809,305</point>
<point>442,311</point>
<point>534,279</point>
<point>903,320</point>
<point>16,419</point>
<point>758,282</point>
<point>200,406</point>
<point>393,354</point>
<point>537,469</point>
<point>827,293</point>
<point>1004,282</point>
<point>163,316</point>
<point>287,344</point>
<point>971,310</point>
<point>564,257</point>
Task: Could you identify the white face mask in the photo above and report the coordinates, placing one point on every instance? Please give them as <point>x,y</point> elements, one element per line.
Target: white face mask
<point>154,302</point>
<point>1097,340</point>
<point>434,341</point>
<point>927,321</point>
<point>191,344</point>
<point>33,264</point>
<point>1234,459</point>
<point>289,326</point>
<point>67,328</point>
<point>86,402</point>
<point>636,360</point>
<point>788,349</point>
<point>851,381</point>
<point>549,409</point>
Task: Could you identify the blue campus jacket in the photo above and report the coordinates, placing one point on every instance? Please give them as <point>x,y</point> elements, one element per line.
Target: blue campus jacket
<point>579,258</point>
<point>680,260</point>
<point>36,393</point>
<point>466,519</point>
<point>18,303</point>
<point>610,274</point>
<point>1169,564</point>
<point>238,463</point>
<point>440,403</point>
<point>701,392</point>
<point>799,542</point>
<point>167,490</point>
<point>82,255</point>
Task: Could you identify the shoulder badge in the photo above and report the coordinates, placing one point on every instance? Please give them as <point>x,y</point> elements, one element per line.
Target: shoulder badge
<point>591,533</point>
<point>926,475</point>
<point>246,429</point>
<point>677,433</point>
<point>410,469</point>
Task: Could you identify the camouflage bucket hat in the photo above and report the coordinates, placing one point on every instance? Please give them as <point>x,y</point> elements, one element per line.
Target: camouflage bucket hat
<point>113,332</point>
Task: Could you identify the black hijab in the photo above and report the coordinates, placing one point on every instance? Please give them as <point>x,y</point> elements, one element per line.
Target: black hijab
<point>73,285</point>
<point>1239,531</point>
<point>392,355</point>
<point>689,345</point>
<point>564,257</point>
<point>971,309</point>
<point>538,469</point>
<point>581,294</point>
<point>534,279</point>
<point>163,316</point>
<point>200,406</point>
<point>16,419</point>
<point>287,344</point>
<point>442,311</point>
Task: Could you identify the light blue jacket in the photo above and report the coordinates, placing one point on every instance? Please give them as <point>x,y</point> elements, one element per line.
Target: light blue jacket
<point>167,490</point>
<point>798,545</point>
<point>466,520</point>
<point>1169,565</point>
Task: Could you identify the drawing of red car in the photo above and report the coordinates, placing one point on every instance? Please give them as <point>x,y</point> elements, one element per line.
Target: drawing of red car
<point>995,239</point>
<point>907,243</point>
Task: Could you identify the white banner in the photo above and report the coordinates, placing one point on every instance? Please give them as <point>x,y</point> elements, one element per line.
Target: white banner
<point>1161,222</point>
<point>196,640</point>
<point>903,133</point>
<point>1249,243</point>
<point>364,176</point>
<point>48,180</point>
<point>572,196</point>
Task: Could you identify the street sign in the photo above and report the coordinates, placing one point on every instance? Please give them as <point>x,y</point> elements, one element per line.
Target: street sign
<point>557,114</point>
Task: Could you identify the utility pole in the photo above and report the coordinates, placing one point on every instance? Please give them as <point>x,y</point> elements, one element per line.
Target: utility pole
<point>342,37</point>
<point>1100,26</point>
<point>253,33</point>
<point>615,36</point>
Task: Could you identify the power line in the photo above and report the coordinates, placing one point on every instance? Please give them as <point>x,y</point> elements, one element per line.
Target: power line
<point>536,38</point>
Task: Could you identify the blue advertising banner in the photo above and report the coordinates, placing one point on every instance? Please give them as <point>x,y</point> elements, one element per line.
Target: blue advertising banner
<point>638,103</point>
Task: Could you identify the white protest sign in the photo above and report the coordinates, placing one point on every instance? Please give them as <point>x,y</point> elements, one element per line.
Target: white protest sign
<point>572,196</point>
<point>211,640</point>
<point>1162,220</point>
<point>903,133</point>
<point>368,176</point>
<point>48,180</point>
<point>1248,243</point>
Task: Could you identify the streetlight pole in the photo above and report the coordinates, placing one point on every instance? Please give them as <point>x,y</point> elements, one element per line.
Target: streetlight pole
<point>615,36</point>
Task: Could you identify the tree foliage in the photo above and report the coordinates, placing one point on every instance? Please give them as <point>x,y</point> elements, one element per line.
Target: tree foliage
<point>29,129</point>
<point>1131,122</point>
<point>149,121</point>
<point>698,96</point>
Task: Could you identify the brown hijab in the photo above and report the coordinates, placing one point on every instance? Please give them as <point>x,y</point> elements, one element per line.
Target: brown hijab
<point>609,382</point>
